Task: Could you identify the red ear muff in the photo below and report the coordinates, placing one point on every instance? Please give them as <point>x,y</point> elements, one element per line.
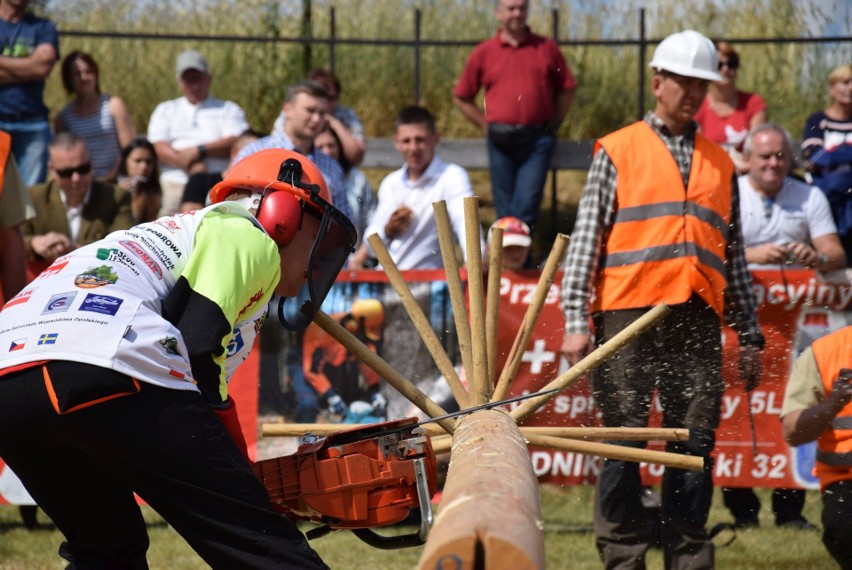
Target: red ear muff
<point>280,214</point>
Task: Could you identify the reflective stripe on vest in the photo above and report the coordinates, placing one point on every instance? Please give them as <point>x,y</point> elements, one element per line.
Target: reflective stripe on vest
<point>5,149</point>
<point>666,242</point>
<point>834,446</point>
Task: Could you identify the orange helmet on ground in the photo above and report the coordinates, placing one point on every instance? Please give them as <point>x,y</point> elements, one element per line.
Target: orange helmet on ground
<point>371,313</point>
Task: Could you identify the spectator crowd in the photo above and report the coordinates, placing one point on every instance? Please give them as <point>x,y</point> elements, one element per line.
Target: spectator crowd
<point>677,208</point>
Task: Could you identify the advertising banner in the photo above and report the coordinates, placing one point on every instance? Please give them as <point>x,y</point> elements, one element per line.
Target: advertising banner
<point>794,308</point>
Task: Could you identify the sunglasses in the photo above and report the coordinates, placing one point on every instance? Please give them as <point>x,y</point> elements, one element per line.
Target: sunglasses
<point>82,170</point>
<point>730,64</point>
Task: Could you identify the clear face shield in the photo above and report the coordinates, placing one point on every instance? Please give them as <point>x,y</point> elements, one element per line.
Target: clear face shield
<point>334,243</point>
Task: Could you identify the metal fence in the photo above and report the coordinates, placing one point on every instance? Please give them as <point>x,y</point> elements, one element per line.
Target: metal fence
<point>642,42</point>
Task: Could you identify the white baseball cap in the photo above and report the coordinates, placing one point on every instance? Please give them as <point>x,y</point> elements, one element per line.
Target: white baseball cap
<point>191,59</point>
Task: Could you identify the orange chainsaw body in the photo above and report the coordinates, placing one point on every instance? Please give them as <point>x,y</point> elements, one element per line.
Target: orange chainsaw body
<point>359,478</point>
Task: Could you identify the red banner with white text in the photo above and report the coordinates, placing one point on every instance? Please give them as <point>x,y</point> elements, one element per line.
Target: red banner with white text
<point>795,307</point>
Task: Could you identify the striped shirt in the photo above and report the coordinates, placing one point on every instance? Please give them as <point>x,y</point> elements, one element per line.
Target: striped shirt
<point>595,217</point>
<point>99,134</point>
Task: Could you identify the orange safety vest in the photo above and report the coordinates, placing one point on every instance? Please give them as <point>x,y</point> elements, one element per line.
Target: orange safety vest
<point>667,242</point>
<point>834,446</point>
<point>5,149</point>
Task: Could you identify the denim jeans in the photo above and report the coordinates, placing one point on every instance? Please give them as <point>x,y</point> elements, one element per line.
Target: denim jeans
<point>29,147</point>
<point>518,176</point>
<point>307,400</point>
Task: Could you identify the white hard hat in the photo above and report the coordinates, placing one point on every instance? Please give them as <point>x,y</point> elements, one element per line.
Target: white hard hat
<point>687,53</point>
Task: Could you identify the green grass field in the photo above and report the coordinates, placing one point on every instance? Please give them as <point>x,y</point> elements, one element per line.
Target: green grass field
<point>568,541</point>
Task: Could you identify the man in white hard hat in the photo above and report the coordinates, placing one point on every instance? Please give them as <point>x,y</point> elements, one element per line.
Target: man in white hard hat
<point>658,222</point>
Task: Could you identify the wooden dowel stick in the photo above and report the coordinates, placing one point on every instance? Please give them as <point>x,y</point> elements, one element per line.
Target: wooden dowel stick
<point>421,322</point>
<point>443,444</point>
<point>478,380</point>
<point>454,282</point>
<point>585,433</point>
<point>591,361</point>
<point>611,451</point>
<point>492,300</point>
<point>516,355</point>
<point>383,369</point>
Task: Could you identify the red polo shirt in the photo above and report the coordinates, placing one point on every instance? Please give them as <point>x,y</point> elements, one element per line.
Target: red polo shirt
<point>520,82</point>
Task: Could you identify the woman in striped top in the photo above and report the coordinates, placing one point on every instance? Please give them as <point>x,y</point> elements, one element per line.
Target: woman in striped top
<point>100,119</point>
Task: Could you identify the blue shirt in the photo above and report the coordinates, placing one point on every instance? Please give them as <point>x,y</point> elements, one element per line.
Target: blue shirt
<point>330,168</point>
<point>19,39</point>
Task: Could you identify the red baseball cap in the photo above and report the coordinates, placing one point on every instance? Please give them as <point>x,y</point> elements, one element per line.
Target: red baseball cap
<point>515,232</point>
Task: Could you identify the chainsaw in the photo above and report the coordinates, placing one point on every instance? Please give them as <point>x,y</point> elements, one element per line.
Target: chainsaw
<point>361,478</point>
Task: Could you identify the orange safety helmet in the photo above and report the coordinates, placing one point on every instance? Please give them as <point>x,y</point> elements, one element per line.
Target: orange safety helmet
<point>290,186</point>
<point>286,180</point>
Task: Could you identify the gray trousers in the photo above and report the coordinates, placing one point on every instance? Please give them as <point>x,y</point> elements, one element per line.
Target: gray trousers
<point>680,358</point>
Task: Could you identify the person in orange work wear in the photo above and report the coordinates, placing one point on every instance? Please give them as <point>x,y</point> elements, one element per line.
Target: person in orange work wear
<point>334,372</point>
<point>818,406</point>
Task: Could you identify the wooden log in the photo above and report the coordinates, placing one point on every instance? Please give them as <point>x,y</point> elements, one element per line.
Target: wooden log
<point>490,512</point>
<point>591,361</point>
<point>420,320</point>
<point>492,300</point>
<point>281,429</point>
<point>363,353</point>
<point>516,354</point>
<point>477,379</point>
<point>454,283</point>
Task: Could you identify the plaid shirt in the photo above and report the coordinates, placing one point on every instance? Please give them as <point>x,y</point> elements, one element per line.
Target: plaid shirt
<point>594,221</point>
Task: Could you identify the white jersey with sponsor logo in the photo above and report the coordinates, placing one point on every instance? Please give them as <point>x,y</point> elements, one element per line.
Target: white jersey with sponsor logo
<point>102,305</point>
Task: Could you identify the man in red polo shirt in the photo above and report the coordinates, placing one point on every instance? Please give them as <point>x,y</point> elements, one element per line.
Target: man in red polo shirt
<point>528,91</point>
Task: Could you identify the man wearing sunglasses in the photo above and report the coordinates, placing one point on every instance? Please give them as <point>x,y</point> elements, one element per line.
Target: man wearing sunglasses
<point>115,362</point>
<point>72,209</point>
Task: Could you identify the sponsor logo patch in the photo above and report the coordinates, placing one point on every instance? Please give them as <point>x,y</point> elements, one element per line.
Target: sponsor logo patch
<point>117,256</point>
<point>96,277</point>
<point>21,297</point>
<point>168,223</point>
<point>54,267</point>
<point>59,303</point>
<point>139,252</point>
<point>170,345</point>
<point>17,344</point>
<point>236,343</point>
<point>103,304</point>
<point>253,300</point>
<point>48,338</point>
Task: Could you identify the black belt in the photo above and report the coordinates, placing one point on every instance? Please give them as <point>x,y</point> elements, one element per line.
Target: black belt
<point>20,117</point>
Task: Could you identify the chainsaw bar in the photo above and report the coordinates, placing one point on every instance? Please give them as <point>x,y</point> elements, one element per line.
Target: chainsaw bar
<point>488,406</point>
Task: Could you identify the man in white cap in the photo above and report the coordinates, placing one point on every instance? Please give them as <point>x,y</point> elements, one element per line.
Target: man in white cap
<point>192,133</point>
<point>658,222</point>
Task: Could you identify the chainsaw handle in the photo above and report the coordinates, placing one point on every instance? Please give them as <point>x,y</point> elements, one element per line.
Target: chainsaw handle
<point>381,542</point>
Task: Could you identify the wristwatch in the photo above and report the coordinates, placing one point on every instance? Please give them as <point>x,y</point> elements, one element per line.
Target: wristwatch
<point>202,151</point>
